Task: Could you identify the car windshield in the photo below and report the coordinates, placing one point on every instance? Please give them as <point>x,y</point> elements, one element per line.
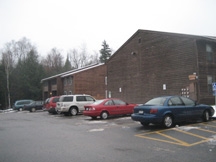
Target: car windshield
<point>156,101</point>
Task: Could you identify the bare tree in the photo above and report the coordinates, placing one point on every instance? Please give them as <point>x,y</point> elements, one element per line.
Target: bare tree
<point>53,63</point>
<point>23,47</point>
<point>80,58</point>
<point>83,56</point>
<point>8,61</point>
<point>93,59</point>
<point>74,58</point>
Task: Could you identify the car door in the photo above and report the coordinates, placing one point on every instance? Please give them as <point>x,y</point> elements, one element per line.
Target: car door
<point>178,109</point>
<point>110,107</point>
<point>193,111</point>
<point>121,107</point>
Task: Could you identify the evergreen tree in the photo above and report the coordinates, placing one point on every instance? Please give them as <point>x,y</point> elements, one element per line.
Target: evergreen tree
<point>105,52</point>
<point>67,65</point>
<point>28,74</point>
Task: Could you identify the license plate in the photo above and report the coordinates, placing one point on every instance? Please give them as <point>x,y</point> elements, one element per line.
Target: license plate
<point>140,111</point>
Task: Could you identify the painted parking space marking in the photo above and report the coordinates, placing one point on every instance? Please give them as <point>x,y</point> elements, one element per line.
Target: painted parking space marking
<point>184,136</point>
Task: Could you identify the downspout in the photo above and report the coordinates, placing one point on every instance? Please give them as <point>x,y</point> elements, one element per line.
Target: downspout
<point>197,85</point>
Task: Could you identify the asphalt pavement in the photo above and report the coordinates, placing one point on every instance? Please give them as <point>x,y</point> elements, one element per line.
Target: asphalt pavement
<point>41,137</point>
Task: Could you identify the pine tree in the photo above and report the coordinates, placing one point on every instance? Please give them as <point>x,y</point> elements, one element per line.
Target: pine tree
<point>67,65</point>
<point>105,52</point>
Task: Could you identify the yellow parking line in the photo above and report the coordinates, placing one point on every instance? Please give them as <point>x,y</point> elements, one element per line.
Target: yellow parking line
<point>208,125</point>
<point>175,139</point>
<point>192,134</point>
<point>178,142</point>
<point>157,139</point>
<point>202,141</point>
<point>205,130</point>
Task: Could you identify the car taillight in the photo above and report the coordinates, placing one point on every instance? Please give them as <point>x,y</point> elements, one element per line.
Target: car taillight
<point>90,108</point>
<point>153,111</point>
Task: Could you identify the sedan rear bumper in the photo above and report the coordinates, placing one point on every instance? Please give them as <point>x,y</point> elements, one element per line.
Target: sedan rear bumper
<point>146,118</point>
<point>91,113</point>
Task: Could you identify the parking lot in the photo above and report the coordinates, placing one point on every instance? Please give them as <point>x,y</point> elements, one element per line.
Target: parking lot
<point>40,136</point>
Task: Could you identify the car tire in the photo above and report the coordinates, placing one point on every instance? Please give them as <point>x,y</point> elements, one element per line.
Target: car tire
<point>32,109</point>
<point>168,121</point>
<point>206,116</point>
<point>104,115</point>
<point>73,111</point>
<point>145,124</point>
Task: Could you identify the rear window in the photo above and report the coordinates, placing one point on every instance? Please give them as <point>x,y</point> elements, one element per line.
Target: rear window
<point>55,100</point>
<point>156,101</point>
<point>97,102</point>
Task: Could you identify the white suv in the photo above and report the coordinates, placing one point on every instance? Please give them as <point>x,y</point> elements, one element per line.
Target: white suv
<point>72,104</point>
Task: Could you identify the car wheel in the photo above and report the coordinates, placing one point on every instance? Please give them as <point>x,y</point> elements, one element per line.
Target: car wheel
<point>73,111</point>
<point>206,116</point>
<point>33,109</point>
<point>104,115</point>
<point>168,121</point>
<point>144,124</point>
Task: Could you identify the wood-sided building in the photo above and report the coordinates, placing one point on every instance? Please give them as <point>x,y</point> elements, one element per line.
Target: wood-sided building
<point>152,63</point>
<point>89,80</point>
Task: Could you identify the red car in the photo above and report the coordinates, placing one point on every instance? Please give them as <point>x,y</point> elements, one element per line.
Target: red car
<point>108,107</point>
<point>51,104</point>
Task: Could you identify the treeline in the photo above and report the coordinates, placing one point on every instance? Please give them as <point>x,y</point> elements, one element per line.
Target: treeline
<point>22,68</point>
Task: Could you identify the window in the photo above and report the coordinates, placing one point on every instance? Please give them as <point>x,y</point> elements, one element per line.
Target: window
<point>140,40</point>
<point>80,98</point>
<point>56,100</point>
<point>109,103</point>
<point>88,98</point>
<point>209,53</point>
<point>119,102</point>
<point>65,81</point>
<point>106,80</point>
<point>187,101</point>
<point>175,101</point>
<point>70,80</point>
<point>68,99</point>
<point>209,83</point>
<point>208,48</point>
<point>45,83</point>
<point>156,101</point>
<point>53,82</point>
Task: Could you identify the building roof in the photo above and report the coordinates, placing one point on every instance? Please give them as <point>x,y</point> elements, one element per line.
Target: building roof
<point>210,38</point>
<point>74,71</point>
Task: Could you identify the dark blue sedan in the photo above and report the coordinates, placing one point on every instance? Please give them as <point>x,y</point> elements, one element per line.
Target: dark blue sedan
<point>169,110</point>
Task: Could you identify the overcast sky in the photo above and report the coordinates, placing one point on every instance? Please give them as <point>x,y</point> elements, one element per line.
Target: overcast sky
<point>69,24</point>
